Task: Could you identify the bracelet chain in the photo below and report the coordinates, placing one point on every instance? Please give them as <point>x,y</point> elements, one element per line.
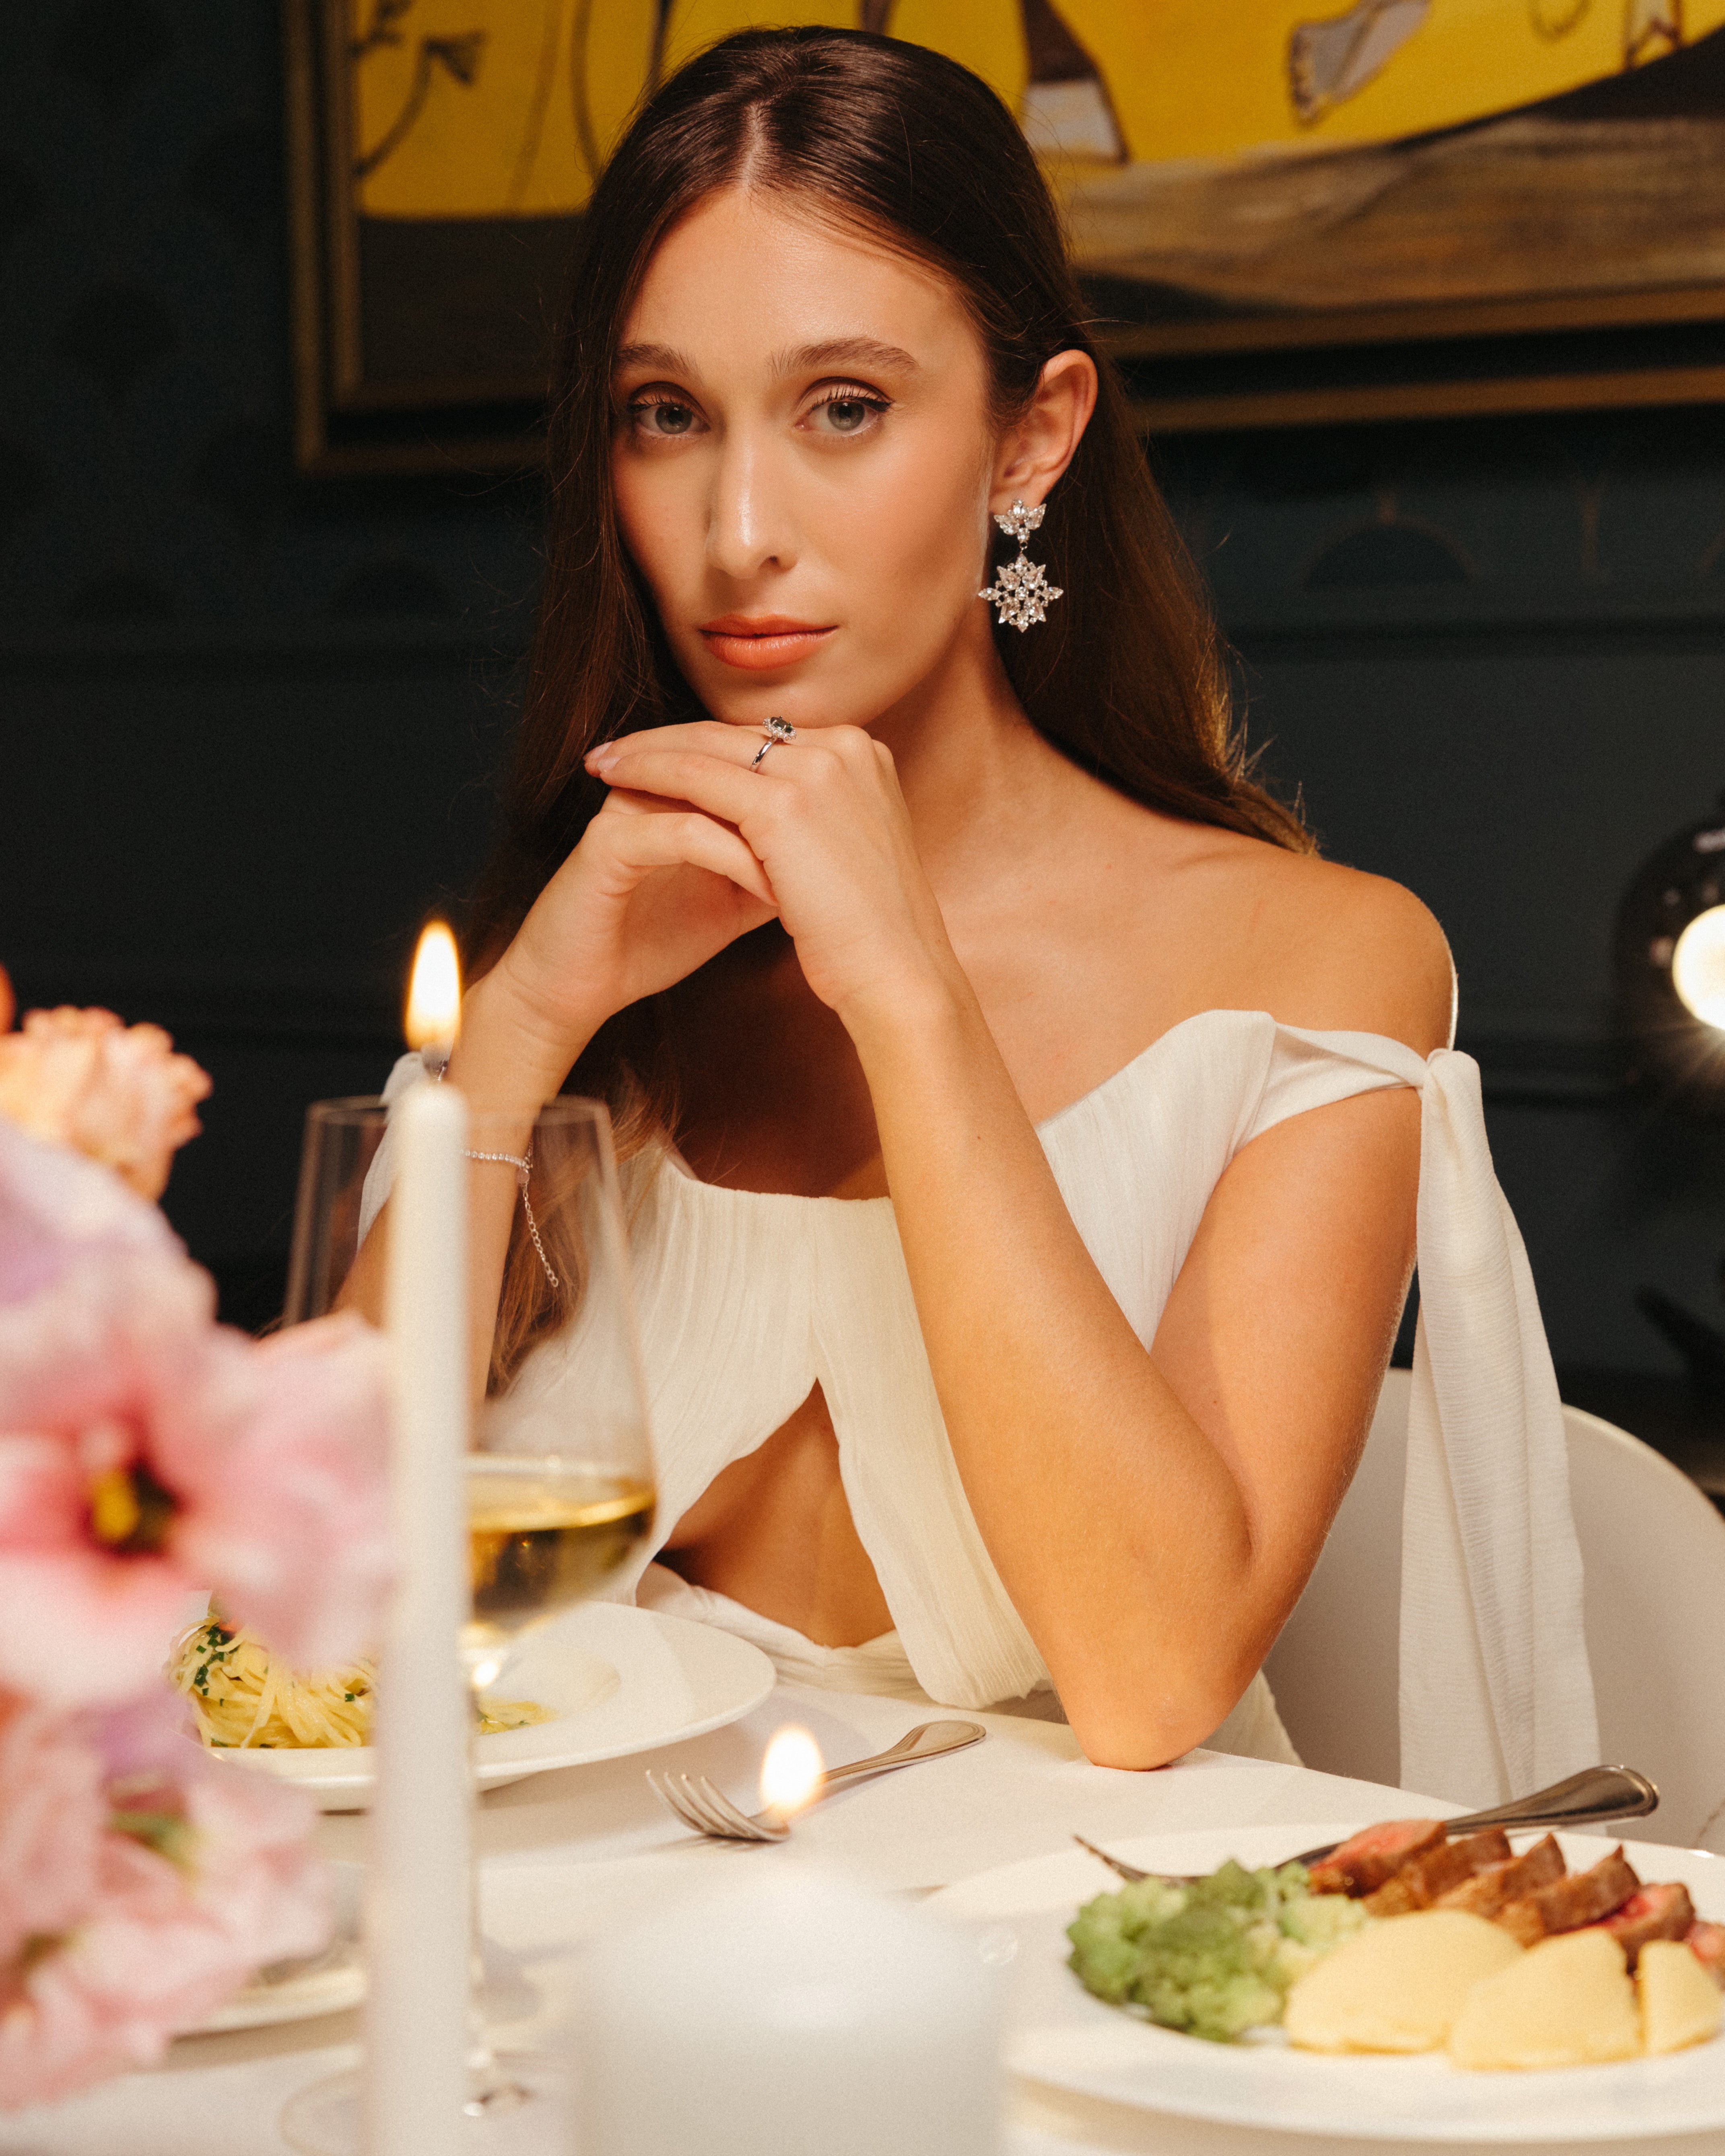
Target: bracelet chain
<point>523,1163</point>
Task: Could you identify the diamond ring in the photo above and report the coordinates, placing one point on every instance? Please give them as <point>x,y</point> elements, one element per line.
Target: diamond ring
<point>776,731</point>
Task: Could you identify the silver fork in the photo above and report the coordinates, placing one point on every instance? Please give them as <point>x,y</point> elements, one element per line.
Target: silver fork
<point>695,1801</point>
<point>1595,1793</point>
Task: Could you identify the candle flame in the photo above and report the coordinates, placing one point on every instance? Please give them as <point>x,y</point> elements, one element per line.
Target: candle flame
<point>791,1771</point>
<point>434,997</point>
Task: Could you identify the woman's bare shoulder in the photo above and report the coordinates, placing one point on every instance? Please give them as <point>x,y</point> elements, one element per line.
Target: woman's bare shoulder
<point>1346,952</point>
<point>1327,948</point>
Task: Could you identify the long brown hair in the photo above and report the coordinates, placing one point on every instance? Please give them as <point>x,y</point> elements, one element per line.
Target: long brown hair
<point>1126,677</point>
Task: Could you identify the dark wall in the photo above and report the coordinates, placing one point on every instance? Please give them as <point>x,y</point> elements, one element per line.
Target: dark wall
<point>247,721</point>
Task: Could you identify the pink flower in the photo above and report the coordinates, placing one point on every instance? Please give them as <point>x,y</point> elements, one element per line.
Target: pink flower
<point>116,1093</point>
<point>51,1814</point>
<point>187,1877</point>
<point>145,1452</point>
<point>291,1527</point>
<point>55,1208</point>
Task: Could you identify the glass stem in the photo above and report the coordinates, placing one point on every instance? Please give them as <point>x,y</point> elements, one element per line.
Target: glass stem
<point>485,2084</point>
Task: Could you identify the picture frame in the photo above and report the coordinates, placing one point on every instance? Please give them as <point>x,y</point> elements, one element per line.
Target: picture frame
<point>1287,213</point>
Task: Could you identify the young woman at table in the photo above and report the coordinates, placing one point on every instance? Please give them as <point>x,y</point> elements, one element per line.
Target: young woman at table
<point>1005,1323</point>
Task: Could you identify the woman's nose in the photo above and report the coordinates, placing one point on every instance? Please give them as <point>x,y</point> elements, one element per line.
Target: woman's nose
<point>749,524</point>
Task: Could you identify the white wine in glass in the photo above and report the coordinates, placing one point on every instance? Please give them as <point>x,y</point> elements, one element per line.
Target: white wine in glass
<point>543,1531</point>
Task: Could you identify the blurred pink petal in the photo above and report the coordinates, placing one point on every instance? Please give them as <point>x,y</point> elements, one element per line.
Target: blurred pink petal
<point>55,1206</point>
<point>159,1943</point>
<point>145,1452</point>
<point>52,1816</point>
<point>116,1093</point>
<point>293,1531</point>
<point>88,1370</point>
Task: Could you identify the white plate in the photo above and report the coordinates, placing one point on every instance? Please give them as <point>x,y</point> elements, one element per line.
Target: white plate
<point>1061,2035</point>
<point>621,1681</point>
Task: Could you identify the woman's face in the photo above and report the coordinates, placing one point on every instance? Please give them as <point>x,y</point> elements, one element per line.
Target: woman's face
<point>804,464</point>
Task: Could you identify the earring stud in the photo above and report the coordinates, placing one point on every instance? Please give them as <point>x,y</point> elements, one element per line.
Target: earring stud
<point>1021,590</point>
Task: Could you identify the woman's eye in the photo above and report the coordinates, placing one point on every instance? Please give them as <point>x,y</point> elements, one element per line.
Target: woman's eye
<point>846,415</point>
<point>664,417</point>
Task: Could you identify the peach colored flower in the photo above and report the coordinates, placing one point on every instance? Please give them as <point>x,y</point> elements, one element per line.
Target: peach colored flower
<point>192,1875</point>
<point>115,1093</point>
<point>145,1452</point>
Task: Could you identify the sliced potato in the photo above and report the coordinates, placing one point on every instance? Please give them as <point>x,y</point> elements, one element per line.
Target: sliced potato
<point>1681,2003</point>
<point>1398,1986</point>
<point>1567,2002</point>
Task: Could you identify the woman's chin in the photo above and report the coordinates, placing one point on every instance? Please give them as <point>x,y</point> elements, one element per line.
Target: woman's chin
<point>791,694</point>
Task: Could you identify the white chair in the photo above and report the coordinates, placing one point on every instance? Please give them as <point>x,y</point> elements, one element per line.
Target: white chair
<point>1654,1551</point>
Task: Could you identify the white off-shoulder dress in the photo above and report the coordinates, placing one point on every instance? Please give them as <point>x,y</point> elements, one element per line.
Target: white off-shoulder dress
<point>746,1300</point>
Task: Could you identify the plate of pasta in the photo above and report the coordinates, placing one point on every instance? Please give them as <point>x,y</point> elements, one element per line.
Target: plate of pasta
<point>599,1682</point>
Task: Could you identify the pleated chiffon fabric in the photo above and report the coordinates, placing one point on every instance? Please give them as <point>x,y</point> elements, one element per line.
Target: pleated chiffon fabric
<point>746,1300</point>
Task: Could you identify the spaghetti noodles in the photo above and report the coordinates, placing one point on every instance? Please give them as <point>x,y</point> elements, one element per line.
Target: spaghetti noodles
<point>244,1699</point>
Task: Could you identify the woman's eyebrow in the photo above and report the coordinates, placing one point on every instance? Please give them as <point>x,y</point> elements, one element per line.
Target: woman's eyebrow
<point>660,355</point>
<point>845,352</point>
<point>836,352</point>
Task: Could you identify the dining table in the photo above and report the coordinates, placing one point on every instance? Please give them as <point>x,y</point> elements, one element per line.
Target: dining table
<point>570,1856</point>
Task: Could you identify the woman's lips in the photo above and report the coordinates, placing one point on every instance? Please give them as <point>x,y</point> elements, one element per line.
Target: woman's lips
<point>763,641</point>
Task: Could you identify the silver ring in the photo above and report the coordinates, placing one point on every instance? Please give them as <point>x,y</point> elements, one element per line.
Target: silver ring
<point>776,731</point>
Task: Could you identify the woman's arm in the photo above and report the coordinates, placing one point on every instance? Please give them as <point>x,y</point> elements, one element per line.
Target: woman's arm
<point>1153,1515</point>
<point>651,892</point>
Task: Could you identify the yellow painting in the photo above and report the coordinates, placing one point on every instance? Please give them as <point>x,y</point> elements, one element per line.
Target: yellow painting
<point>1238,177</point>
<point>489,108</point>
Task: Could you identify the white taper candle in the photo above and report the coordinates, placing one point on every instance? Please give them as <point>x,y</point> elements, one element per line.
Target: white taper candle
<point>416,1945</point>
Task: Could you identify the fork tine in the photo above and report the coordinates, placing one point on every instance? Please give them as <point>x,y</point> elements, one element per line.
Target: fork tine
<point>717,1819</point>
<point>689,1807</point>
<point>733,1822</point>
<point>664,1789</point>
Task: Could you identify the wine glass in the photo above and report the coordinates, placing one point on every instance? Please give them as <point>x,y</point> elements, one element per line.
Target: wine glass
<point>559,1487</point>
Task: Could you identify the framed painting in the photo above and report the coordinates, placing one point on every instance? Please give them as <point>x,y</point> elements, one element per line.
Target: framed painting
<point>1285,210</point>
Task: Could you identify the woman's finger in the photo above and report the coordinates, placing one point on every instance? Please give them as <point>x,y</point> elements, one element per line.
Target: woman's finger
<point>711,734</point>
<point>684,838</point>
<point>723,788</point>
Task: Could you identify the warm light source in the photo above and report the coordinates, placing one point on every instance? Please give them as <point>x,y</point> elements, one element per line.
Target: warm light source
<point>434,994</point>
<point>1698,966</point>
<point>1669,964</point>
<point>791,1771</point>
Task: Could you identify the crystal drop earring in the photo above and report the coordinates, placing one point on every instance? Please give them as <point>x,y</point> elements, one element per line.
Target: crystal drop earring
<point>1021,589</point>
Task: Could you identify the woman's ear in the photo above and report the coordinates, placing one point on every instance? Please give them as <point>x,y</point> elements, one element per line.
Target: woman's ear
<point>1038,446</point>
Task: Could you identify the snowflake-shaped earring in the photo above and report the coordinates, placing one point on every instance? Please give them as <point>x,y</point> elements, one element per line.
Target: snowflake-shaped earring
<point>1021,589</point>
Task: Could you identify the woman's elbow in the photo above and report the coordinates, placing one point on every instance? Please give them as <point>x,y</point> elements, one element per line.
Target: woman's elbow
<point>1140,1727</point>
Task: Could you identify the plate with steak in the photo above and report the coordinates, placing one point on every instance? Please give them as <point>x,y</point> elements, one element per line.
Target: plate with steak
<point>1536,1888</point>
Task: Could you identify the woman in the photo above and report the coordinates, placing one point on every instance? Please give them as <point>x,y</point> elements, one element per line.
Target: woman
<point>993,939</point>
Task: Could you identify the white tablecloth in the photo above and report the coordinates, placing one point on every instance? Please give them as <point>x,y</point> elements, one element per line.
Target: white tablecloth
<point>594,1842</point>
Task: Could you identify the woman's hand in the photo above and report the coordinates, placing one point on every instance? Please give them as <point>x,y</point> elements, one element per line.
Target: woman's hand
<point>823,817</point>
<point>653,890</point>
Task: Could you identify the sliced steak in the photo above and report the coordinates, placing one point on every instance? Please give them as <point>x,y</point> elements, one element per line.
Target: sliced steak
<point>1707,1942</point>
<point>1422,1879</point>
<point>1653,1913</point>
<point>1567,1904</point>
<point>1361,1864</point>
<point>1488,1891</point>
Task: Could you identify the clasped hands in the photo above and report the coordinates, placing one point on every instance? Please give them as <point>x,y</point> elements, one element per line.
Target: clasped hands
<point>693,849</point>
